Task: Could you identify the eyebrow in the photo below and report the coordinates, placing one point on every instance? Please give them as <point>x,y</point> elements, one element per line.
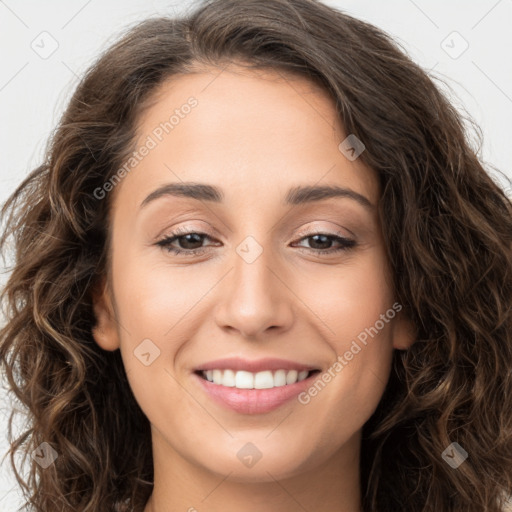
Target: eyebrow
<point>295,196</point>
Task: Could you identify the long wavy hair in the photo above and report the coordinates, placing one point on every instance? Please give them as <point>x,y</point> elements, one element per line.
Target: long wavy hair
<point>448,234</point>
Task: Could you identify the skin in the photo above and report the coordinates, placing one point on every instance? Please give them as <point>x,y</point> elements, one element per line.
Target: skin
<point>254,135</point>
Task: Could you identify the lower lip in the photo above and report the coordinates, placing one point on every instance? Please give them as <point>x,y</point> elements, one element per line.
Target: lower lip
<point>253,401</point>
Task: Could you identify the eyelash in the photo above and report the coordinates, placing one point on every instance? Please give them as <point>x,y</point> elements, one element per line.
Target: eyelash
<point>165,243</point>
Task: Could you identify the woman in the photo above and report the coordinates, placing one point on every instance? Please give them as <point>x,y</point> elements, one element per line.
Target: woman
<point>338,335</point>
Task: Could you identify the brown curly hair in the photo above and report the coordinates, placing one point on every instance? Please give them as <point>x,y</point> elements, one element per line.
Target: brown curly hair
<point>447,229</point>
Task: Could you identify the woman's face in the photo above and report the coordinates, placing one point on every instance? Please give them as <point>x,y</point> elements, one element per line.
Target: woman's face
<point>287,281</point>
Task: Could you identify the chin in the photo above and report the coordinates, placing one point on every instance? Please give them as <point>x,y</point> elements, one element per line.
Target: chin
<point>251,465</point>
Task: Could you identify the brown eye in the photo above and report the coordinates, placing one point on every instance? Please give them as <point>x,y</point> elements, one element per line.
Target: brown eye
<point>189,242</point>
<point>322,243</point>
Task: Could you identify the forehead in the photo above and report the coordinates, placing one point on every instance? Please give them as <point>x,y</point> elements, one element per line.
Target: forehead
<point>251,133</point>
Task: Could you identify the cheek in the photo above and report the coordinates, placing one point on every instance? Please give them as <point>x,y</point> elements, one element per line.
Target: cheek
<point>355,306</point>
<point>150,309</point>
<point>348,298</point>
<point>154,297</point>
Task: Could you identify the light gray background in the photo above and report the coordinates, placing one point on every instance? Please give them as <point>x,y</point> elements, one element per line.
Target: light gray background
<point>35,87</point>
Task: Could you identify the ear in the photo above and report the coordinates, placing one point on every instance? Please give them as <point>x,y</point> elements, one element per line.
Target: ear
<point>105,329</point>
<point>404,332</point>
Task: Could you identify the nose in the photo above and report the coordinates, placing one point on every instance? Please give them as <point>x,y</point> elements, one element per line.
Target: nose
<point>255,298</point>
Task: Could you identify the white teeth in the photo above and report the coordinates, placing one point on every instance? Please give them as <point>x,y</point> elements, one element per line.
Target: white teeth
<point>280,378</point>
<point>244,380</point>
<point>302,375</point>
<point>228,379</point>
<point>217,376</point>
<point>260,380</point>
<point>264,380</point>
<point>291,377</point>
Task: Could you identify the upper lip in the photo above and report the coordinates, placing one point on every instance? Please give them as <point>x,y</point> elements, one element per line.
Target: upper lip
<point>254,366</point>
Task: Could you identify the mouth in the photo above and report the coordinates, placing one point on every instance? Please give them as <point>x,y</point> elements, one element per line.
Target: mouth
<point>253,393</point>
<point>266,379</point>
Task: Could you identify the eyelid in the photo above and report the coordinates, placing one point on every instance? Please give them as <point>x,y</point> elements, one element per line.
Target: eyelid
<point>185,229</point>
<point>311,231</point>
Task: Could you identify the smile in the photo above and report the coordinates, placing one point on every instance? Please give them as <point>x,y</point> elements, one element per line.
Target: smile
<point>259,392</point>
<point>266,379</point>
